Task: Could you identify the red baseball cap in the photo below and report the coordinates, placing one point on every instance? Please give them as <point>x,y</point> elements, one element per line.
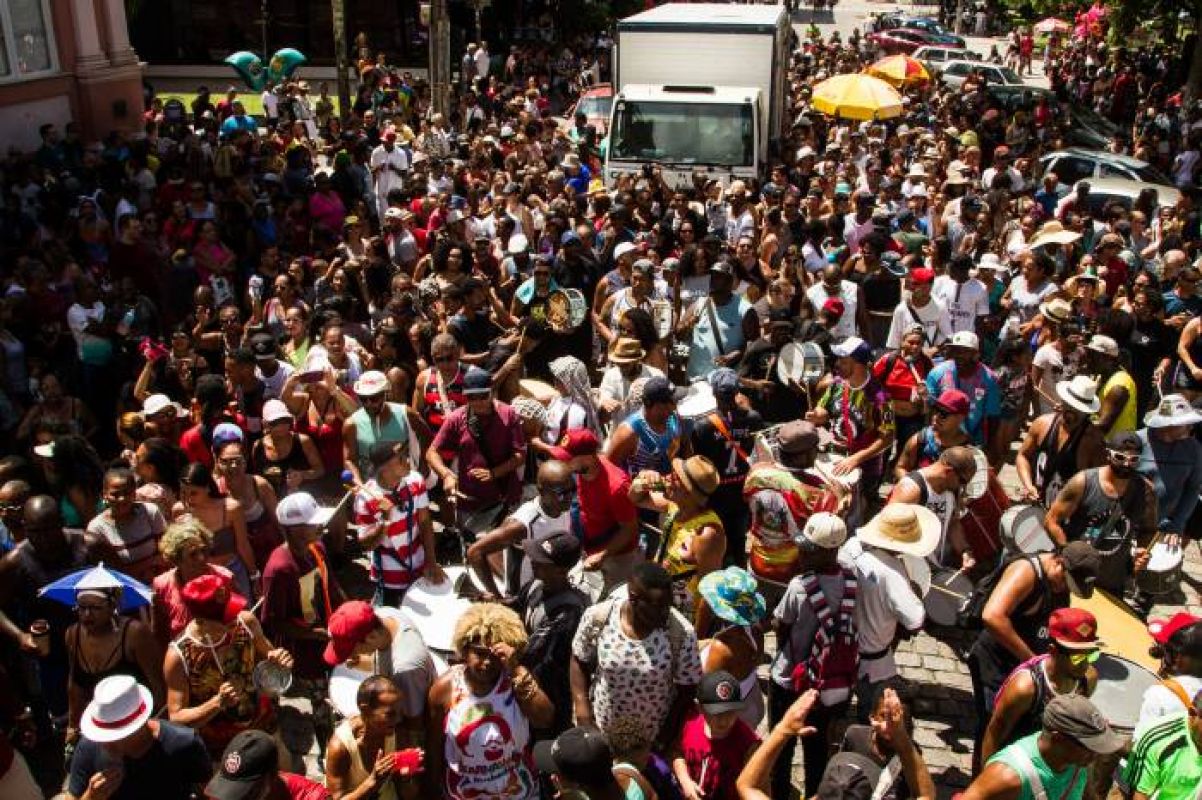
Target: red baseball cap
<point>953,401</point>
<point>212,596</point>
<point>1162,629</point>
<point>576,442</point>
<point>834,306</point>
<point>1074,629</point>
<point>349,625</point>
<point>922,276</point>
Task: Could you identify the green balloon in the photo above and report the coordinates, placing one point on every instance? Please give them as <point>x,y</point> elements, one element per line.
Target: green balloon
<point>284,63</point>
<point>249,67</point>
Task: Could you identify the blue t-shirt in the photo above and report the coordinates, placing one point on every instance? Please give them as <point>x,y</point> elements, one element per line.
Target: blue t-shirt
<point>171,769</point>
<point>1174,305</point>
<point>984,395</point>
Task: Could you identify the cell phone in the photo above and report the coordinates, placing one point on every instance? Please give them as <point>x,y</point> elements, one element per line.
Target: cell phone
<point>310,377</point>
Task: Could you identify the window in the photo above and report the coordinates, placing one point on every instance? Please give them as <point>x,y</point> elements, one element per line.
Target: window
<point>26,41</point>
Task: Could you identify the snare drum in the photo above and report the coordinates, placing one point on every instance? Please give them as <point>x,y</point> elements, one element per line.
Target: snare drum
<point>824,468</point>
<point>698,402</point>
<point>435,608</point>
<point>950,590</point>
<point>1163,574</point>
<point>1023,531</point>
<point>544,393</point>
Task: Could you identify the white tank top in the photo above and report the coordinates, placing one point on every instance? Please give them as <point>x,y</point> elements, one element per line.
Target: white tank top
<point>486,742</point>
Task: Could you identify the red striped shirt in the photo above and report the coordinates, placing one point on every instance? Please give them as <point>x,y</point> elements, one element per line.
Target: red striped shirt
<point>399,559</point>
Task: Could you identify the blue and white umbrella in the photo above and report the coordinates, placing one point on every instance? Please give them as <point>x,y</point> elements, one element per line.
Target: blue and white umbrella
<point>134,594</point>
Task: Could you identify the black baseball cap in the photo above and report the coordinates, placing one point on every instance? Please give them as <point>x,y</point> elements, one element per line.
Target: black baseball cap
<point>581,755</point>
<point>849,776</point>
<point>719,692</point>
<point>1082,562</point>
<point>658,390</point>
<point>263,345</point>
<point>558,548</point>
<point>249,757</point>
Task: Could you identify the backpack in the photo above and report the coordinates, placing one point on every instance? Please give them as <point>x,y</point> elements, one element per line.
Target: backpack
<point>834,655</point>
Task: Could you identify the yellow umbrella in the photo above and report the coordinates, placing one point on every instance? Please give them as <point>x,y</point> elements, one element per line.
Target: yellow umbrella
<point>900,70</point>
<point>856,96</point>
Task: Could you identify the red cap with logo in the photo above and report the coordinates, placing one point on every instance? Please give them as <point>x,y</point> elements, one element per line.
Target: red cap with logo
<point>922,276</point>
<point>953,401</point>
<point>576,442</point>
<point>212,597</point>
<point>834,306</point>
<point>1074,629</point>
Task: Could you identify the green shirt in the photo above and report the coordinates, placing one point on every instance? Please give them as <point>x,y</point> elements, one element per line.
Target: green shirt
<point>1165,762</point>
<point>1066,785</point>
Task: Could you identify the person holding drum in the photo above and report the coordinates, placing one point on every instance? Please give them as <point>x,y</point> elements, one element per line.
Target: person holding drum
<point>640,294</point>
<point>1067,668</point>
<point>1171,457</point>
<point>939,487</point>
<point>1062,443</point>
<point>1015,616</point>
<point>760,372</point>
<point>963,370</point>
<point>1113,508</point>
<point>543,514</point>
<point>626,358</point>
<point>366,641</point>
<point>860,417</point>
<point>946,430</point>
<point>1054,761</point>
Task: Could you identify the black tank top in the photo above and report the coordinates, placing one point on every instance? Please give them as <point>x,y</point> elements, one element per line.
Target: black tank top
<point>1054,464</point>
<point>87,679</point>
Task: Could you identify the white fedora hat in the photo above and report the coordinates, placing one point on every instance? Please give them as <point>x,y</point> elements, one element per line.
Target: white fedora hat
<point>903,528</point>
<point>1080,393</point>
<point>120,706</point>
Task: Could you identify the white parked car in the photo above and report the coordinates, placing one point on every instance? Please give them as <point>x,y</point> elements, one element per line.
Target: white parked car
<point>954,73</point>
<point>1076,163</point>
<point>936,56</point>
<point>1104,191</point>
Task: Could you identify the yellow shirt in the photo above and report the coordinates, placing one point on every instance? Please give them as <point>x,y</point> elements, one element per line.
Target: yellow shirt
<point>1128,418</point>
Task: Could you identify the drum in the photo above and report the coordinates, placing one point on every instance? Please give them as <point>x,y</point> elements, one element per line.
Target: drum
<point>344,689</point>
<point>661,315</point>
<point>1023,531</point>
<point>436,608</point>
<point>800,362</point>
<point>1124,633</point>
<point>591,581</point>
<point>271,679</point>
<point>979,485</point>
<point>1163,574</point>
<point>566,309</point>
<point>698,402</point>
<point>950,589</point>
<point>983,517</point>
<point>542,392</point>
<point>1120,690</point>
<point>824,468</point>
<point>918,570</point>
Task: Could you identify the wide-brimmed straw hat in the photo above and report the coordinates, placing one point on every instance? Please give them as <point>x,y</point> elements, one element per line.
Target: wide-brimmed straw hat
<point>903,528</point>
<point>1080,393</point>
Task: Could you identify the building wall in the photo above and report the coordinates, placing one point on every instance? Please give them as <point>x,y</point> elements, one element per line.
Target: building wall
<point>102,91</point>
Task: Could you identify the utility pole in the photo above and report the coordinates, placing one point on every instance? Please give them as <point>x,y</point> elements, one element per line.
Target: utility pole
<point>440,57</point>
<point>263,23</point>
<point>338,10</point>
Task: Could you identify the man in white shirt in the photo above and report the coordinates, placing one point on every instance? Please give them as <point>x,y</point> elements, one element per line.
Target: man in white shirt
<point>483,61</point>
<point>389,164</point>
<point>920,309</point>
<point>626,366</point>
<point>965,298</point>
<point>886,554</point>
<point>834,285</point>
<point>1001,164</point>
<point>271,107</point>
<point>1180,639</point>
<point>498,553</point>
<point>1058,360</point>
<point>739,219</point>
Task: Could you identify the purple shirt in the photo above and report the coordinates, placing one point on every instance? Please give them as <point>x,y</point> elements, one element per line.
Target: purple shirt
<point>500,436</point>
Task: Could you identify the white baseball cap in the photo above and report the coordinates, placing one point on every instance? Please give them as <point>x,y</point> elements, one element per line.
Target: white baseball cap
<point>371,383</point>
<point>623,248</point>
<point>825,530</point>
<point>274,410</point>
<point>158,403</point>
<point>965,339</point>
<point>1104,345</point>
<point>301,509</point>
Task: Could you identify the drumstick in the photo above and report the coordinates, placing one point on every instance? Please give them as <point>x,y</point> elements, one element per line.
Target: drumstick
<point>949,592</point>
<point>1053,400</point>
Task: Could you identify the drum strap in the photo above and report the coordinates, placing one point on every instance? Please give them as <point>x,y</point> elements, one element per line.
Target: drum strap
<point>1026,768</point>
<point>721,427</point>
<point>717,334</point>
<point>1174,686</point>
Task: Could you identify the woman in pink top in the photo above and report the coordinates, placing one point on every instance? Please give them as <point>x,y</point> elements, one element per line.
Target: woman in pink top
<point>326,206</point>
<point>185,546</point>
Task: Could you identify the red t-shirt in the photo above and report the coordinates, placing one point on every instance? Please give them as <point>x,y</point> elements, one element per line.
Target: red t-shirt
<point>301,788</point>
<point>900,382</point>
<point>721,760</point>
<point>604,505</point>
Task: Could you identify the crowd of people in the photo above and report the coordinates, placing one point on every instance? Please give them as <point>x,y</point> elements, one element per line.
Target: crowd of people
<point>507,481</point>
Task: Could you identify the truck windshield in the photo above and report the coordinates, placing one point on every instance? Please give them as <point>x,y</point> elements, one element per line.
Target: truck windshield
<point>684,133</point>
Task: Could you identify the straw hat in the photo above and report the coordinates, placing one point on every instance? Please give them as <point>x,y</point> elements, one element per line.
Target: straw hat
<point>1057,309</point>
<point>1052,233</point>
<point>903,528</point>
<point>698,474</point>
<point>626,350</point>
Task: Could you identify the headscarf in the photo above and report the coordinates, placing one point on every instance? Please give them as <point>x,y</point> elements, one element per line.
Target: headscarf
<point>571,372</point>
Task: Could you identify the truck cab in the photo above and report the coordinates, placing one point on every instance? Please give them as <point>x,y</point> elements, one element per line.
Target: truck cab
<point>683,129</point>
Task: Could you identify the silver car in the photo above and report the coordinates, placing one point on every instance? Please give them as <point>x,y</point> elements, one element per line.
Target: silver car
<point>1077,163</point>
<point>954,73</point>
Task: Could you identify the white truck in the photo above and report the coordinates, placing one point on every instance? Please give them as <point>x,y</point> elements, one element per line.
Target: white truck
<point>700,87</point>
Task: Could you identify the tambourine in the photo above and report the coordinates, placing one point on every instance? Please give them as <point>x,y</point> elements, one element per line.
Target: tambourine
<point>566,309</point>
